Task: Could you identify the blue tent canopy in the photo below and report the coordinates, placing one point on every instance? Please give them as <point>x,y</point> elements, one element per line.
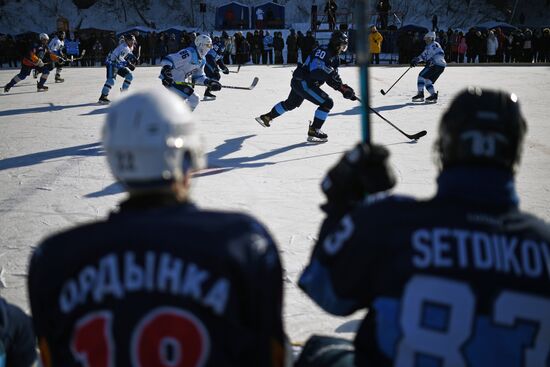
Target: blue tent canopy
<point>506,28</point>
<point>273,16</point>
<point>233,15</point>
<point>138,29</point>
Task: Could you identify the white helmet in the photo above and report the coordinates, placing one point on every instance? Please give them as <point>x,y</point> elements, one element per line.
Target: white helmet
<point>44,36</point>
<point>204,44</point>
<point>430,37</point>
<point>149,139</point>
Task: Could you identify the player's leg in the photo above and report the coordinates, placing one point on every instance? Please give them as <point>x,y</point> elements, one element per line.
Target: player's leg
<point>293,100</point>
<point>316,96</point>
<point>45,72</point>
<point>420,84</point>
<point>211,74</point>
<point>431,76</point>
<point>109,83</point>
<point>58,69</point>
<point>186,91</point>
<point>23,73</point>
<point>128,77</point>
<point>326,351</point>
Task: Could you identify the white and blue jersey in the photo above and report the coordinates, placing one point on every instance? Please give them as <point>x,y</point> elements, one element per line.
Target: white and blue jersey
<point>56,46</point>
<point>185,64</point>
<point>118,57</point>
<point>433,54</point>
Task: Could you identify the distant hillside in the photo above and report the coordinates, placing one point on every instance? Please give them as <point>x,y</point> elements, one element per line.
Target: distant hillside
<point>17,16</point>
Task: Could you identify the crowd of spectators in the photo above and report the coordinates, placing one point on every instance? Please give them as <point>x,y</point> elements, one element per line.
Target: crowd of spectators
<point>260,47</point>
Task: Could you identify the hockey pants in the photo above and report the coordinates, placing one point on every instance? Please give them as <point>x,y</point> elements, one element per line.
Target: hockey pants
<point>112,73</point>
<point>185,91</point>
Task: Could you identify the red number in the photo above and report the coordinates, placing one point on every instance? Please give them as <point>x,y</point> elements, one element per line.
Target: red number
<point>166,336</point>
<point>92,342</point>
<point>170,337</point>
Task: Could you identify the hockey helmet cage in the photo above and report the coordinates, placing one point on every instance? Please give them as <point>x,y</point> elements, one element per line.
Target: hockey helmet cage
<point>150,139</point>
<point>430,37</point>
<point>44,37</point>
<point>483,128</point>
<point>338,42</point>
<point>203,44</point>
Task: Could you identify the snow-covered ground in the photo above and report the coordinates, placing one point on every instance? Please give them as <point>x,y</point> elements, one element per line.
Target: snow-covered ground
<point>53,173</point>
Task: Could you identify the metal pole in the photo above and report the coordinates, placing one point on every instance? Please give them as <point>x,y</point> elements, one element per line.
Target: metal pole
<point>362,44</point>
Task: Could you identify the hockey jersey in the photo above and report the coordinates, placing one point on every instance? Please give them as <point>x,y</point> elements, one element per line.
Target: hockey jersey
<point>152,286</point>
<point>320,67</point>
<point>185,64</point>
<point>433,54</point>
<point>56,46</point>
<point>119,56</point>
<point>462,279</point>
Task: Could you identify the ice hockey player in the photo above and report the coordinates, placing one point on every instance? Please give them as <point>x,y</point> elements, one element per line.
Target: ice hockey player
<point>118,63</point>
<point>434,57</point>
<point>17,340</point>
<point>160,282</point>
<point>40,58</point>
<point>461,279</point>
<point>187,64</point>
<point>320,67</point>
<point>213,64</point>
<point>56,46</point>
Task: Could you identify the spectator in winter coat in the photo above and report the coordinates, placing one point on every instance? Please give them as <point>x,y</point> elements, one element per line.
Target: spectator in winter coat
<point>462,48</point>
<point>300,46</point>
<point>492,46</point>
<point>528,46</point>
<point>278,45</point>
<point>268,48</point>
<point>454,40</point>
<point>292,48</point>
<point>308,45</point>
<point>545,46</point>
<point>256,48</point>
<point>375,45</point>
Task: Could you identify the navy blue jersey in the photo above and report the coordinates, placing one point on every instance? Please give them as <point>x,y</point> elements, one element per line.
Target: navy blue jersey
<point>169,285</point>
<point>17,340</point>
<point>320,67</point>
<point>458,280</point>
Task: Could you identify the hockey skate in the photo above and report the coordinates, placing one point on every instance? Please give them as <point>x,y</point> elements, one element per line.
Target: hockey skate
<point>419,97</point>
<point>209,95</point>
<point>35,73</point>
<point>264,120</point>
<point>6,88</point>
<point>103,99</point>
<point>59,79</point>
<point>316,135</point>
<point>432,98</point>
<point>41,88</point>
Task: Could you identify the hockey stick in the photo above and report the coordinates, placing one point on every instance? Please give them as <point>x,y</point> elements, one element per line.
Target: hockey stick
<point>362,8</point>
<point>238,68</point>
<point>382,90</point>
<point>416,136</point>
<point>252,86</point>
<point>73,59</point>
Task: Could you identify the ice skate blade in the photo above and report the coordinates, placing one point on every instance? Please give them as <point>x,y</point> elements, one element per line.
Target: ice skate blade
<point>313,139</point>
<point>260,121</point>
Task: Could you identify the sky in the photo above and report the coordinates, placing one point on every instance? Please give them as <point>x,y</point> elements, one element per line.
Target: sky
<point>54,175</point>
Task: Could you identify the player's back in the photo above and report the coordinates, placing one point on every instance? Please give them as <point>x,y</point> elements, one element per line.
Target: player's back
<point>467,286</point>
<point>158,287</point>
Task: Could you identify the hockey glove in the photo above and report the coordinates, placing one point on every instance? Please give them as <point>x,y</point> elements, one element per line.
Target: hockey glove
<point>225,70</point>
<point>40,63</point>
<point>214,85</point>
<point>167,78</point>
<point>348,92</point>
<point>334,80</point>
<point>414,62</point>
<point>362,170</point>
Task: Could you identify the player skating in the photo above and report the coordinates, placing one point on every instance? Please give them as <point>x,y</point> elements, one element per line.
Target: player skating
<point>320,67</point>
<point>178,68</point>
<point>460,279</point>
<point>118,62</point>
<point>57,46</point>
<point>160,282</point>
<point>39,58</point>
<point>434,57</point>
<point>214,62</point>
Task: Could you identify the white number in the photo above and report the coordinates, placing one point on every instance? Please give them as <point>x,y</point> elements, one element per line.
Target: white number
<point>511,306</point>
<point>333,243</point>
<point>455,303</point>
<point>483,144</point>
<point>320,54</point>
<point>458,301</point>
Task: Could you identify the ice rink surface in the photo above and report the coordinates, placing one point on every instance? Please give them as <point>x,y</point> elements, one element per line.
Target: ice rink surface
<point>53,172</point>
